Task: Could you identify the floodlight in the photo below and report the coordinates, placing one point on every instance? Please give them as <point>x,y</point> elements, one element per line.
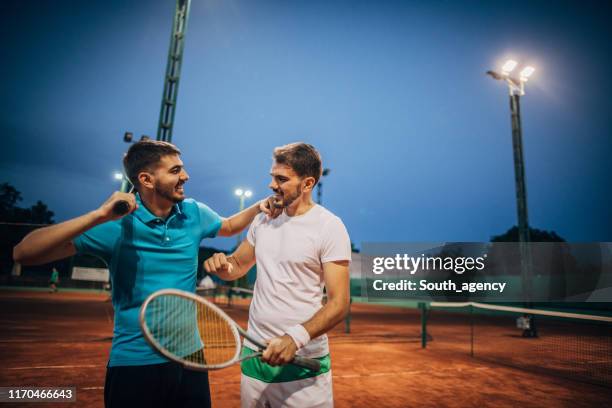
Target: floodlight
<point>509,66</point>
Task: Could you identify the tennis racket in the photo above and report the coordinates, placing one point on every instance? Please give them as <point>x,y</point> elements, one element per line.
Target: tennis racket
<point>192,331</point>
<point>122,207</point>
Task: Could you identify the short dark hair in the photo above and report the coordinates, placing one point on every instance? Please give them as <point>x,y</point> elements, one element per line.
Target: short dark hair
<point>303,158</point>
<point>145,155</point>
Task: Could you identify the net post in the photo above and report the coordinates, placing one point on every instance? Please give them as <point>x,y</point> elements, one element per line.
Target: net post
<point>347,319</point>
<point>471,330</point>
<point>423,308</point>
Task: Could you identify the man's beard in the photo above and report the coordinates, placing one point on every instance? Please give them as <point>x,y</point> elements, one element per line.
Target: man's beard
<point>288,200</point>
<point>168,192</point>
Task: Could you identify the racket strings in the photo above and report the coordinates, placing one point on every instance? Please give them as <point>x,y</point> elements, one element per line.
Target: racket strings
<point>191,330</point>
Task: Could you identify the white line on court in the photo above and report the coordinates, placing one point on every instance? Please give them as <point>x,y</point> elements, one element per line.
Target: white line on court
<point>57,367</point>
<point>395,373</point>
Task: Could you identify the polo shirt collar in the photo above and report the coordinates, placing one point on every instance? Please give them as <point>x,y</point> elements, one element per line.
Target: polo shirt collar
<point>146,216</point>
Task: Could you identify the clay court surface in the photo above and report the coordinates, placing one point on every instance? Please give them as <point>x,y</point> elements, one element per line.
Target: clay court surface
<point>63,339</point>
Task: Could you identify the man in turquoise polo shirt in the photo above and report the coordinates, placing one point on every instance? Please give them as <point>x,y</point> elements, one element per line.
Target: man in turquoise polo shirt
<point>155,246</point>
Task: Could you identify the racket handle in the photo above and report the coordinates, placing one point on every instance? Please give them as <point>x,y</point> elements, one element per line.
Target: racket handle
<point>121,207</point>
<point>309,363</point>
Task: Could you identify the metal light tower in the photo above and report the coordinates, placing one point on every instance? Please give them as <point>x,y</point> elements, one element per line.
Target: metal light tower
<point>516,89</point>
<point>242,195</point>
<point>173,70</point>
<point>171,79</point>
<point>119,177</point>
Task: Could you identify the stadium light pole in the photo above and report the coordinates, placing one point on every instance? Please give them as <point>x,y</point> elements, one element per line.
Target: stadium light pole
<point>118,176</point>
<point>242,195</point>
<point>125,184</point>
<point>516,89</point>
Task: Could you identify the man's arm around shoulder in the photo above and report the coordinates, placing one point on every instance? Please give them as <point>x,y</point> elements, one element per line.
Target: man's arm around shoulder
<point>238,222</point>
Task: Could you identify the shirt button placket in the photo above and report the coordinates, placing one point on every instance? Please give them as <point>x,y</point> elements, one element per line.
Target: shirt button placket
<point>166,239</point>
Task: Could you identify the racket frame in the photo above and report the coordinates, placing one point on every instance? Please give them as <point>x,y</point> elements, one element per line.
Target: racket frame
<point>235,330</point>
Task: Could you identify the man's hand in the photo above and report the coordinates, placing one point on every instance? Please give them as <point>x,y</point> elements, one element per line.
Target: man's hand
<point>281,350</point>
<point>106,213</point>
<point>267,207</point>
<point>218,264</point>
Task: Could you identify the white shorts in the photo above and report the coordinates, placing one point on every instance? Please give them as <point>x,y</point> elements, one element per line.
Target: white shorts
<point>314,392</point>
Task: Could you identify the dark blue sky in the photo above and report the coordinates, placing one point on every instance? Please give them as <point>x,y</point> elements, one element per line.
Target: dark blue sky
<point>392,93</point>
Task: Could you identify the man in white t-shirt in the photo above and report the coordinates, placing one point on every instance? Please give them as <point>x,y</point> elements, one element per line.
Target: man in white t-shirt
<point>298,253</point>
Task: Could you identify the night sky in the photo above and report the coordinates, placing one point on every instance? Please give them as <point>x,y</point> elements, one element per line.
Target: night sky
<point>393,94</point>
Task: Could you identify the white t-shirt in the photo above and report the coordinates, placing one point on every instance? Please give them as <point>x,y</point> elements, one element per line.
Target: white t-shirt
<point>290,253</point>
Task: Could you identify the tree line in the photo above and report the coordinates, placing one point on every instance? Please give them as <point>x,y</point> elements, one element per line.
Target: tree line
<point>10,212</point>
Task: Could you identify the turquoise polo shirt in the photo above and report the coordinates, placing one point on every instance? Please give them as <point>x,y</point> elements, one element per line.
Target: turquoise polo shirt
<point>145,253</point>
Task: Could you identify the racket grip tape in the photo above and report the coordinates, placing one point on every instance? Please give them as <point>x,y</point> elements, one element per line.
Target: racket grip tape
<point>309,363</point>
<point>121,207</point>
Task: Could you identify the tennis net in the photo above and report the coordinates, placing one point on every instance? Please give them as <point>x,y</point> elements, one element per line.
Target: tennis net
<point>237,297</point>
<point>567,344</point>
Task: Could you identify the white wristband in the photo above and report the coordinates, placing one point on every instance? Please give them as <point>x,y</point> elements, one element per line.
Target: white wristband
<point>299,335</point>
